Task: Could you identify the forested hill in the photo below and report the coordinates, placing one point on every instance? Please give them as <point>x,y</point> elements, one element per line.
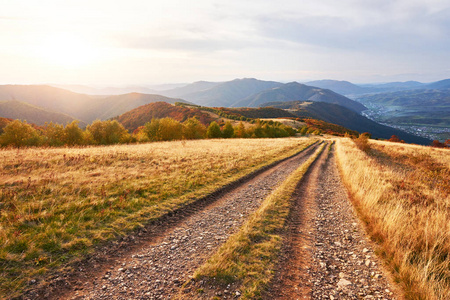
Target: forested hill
<point>339,115</point>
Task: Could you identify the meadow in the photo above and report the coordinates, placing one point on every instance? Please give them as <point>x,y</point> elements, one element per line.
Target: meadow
<point>402,194</point>
<point>58,203</point>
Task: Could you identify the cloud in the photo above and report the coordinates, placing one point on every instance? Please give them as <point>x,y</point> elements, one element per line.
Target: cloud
<point>245,38</point>
<point>198,43</point>
<point>420,32</point>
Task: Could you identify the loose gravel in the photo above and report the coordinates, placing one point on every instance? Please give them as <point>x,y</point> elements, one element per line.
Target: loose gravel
<point>327,254</point>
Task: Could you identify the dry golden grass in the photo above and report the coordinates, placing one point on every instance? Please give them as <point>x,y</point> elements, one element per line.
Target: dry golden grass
<point>402,194</point>
<point>57,203</point>
<point>248,257</point>
<point>441,155</point>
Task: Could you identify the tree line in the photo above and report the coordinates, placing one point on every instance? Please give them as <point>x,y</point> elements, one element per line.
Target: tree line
<point>21,134</point>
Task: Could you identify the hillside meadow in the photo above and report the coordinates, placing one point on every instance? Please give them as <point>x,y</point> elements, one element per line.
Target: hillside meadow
<point>402,194</point>
<point>58,203</point>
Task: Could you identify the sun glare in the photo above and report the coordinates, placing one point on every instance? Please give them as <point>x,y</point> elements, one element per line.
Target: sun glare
<point>67,51</point>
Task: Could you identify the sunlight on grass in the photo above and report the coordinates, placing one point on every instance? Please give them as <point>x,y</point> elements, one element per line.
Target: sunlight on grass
<point>57,203</point>
<point>402,193</point>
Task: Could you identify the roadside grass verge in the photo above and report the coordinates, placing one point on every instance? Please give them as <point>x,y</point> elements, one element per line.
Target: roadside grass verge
<point>57,204</point>
<point>249,256</point>
<point>402,194</point>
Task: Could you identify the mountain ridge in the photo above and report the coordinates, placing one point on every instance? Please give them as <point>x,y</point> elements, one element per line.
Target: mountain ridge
<point>229,92</point>
<point>14,109</point>
<point>338,86</point>
<point>86,108</point>
<point>294,91</point>
<point>194,87</point>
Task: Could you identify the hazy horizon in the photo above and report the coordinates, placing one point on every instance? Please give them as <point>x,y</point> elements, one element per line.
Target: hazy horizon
<point>144,43</point>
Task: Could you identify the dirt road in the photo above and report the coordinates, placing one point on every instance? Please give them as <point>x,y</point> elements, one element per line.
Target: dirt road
<point>156,268</point>
<point>326,254</point>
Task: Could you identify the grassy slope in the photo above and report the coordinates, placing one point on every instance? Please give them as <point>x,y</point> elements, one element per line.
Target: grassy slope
<point>248,257</point>
<point>402,193</point>
<point>57,203</point>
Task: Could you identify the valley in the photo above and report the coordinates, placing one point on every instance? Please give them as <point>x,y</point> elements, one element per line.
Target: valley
<point>414,107</point>
<point>422,112</point>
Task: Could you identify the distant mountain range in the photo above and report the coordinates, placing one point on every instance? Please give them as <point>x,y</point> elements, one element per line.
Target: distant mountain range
<point>14,109</point>
<point>222,94</point>
<point>85,108</point>
<point>439,85</point>
<point>193,88</point>
<point>350,89</point>
<point>250,92</point>
<point>345,117</point>
<point>295,91</point>
<point>113,106</point>
<point>340,87</point>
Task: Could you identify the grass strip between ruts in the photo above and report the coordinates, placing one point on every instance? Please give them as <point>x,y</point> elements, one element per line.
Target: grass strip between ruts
<point>248,257</point>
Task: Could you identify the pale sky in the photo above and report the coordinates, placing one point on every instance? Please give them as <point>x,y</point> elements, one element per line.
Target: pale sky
<point>117,42</point>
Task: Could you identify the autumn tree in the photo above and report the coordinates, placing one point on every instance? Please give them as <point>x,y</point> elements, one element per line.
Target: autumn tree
<point>437,144</point>
<point>165,129</point>
<point>213,131</point>
<point>53,134</point>
<point>151,129</point>
<point>140,135</point>
<point>193,129</point>
<point>108,132</point>
<point>268,130</point>
<point>73,135</point>
<point>256,131</point>
<point>19,134</point>
<point>239,131</point>
<point>394,139</point>
<point>228,130</point>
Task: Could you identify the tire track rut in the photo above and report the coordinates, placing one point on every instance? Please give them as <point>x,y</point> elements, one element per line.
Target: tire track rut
<point>326,254</point>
